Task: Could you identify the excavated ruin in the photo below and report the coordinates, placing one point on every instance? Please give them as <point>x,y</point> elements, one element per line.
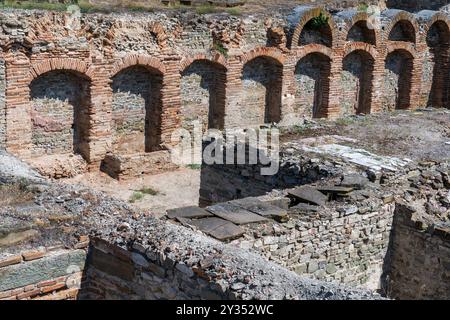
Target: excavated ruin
<point>360,205</point>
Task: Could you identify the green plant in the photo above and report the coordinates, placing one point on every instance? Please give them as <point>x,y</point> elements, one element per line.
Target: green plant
<point>206,9</point>
<point>318,22</point>
<point>33,5</point>
<point>148,190</point>
<point>136,196</point>
<point>363,7</point>
<point>234,11</point>
<point>217,46</point>
<point>194,166</point>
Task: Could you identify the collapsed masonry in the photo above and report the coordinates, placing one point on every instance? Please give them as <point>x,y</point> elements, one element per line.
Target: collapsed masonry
<point>69,242</point>
<point>107,91</point>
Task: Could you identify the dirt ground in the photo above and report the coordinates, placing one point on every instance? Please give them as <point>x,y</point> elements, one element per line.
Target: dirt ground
<point>174,189</point>
<point>422,135</point>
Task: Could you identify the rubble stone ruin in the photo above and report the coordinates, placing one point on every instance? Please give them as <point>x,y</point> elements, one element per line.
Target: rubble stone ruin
<point>360,206</point>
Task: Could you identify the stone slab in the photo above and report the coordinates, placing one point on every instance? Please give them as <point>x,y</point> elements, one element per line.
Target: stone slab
<point>309,194</point>
<point>235,214</point>
<point>339,190</point>
<point>188,212</point>
<point>218,228</point>
<point>20,275</point>
<point>303,207</point>
<point>263,209</point>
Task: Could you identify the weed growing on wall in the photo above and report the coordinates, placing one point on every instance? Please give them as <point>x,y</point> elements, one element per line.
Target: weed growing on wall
<point>217,46</point>
<point>318,22</point>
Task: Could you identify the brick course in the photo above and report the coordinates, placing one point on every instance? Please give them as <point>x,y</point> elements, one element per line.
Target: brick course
<point>265,69</point>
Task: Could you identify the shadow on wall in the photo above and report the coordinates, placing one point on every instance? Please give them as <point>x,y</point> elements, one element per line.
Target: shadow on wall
<point>225,182</point>
<point>398,74</point>
<point>203,94</point>
<point>136,109</point>
<point>312,76</point>
<point>262,88</point>
<point>60,113</point>
<point>438,43</point>
<point>357,77</point>
<point>417,5</point>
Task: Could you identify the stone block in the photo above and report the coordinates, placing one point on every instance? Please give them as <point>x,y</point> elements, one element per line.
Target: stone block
<point>36,271</point>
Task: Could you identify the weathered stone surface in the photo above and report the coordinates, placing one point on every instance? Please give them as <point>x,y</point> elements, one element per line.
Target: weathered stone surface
<point>337,190</point>
<point>354,181</point>
<point>110,264</point>
<point>303,207</point>
<point>218,228</point>
<point>188,212</point>
<point>235,213</point>
<point>262,208</point>
<point>49,267</point>
<point>309,195</point>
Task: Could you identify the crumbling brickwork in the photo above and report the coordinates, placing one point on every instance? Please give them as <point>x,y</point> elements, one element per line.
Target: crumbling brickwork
<point>139,78</point>
<point>2,104</point>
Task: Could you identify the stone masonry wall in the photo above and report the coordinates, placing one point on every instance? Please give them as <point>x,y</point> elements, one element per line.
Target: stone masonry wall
<point>205,269</point>
<point>2,104</point>
<point>42,273</point>
<point>311,76</point>
<point>254,53</point>
<point>203,95</point>
<point>420,259</point>
<point>347,247</point>
<point>59,106</point>
<point>132,99</point>
<point>415,6</point>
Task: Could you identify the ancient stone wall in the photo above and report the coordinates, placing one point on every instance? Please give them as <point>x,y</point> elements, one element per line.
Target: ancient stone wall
<point>415,6</point>
<point>59,113</point>
<point>348,246</point>
<point>420,266</point>
<point>144,76</point>
<point>42,273</point>
<point>2,104</point>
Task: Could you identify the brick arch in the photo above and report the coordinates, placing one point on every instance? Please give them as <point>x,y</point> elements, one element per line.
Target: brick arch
<point>400,17</point>
<point>138,60</point>
<point>306,17</point>
<point>272,53</point>
<point>358,18</point>
<point>202,77</point>
<point>438,18</point>
<point>436,91</point>
<point>358,65</point>
<point>302,52</point>
<point>261,79</point>
<point>406,82</point>
<point>314,66</point>
<point>217,59</point>
<point>406,47</point>
<point>361,46</point>
<point>68,119</point>
<point>68,64</point>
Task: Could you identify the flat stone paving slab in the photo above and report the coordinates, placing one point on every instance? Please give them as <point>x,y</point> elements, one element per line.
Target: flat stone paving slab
<point>188,212</point>
<point>235,214</point>
<point>263,209</point>
<point>218,228</point>
<point>309,194</point>
<point>303,207</point>
<point>336,190</point>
